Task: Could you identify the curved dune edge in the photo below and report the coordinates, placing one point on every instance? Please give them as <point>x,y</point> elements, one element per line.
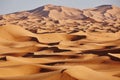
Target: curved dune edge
<point>70,73</point>
<point>115,55</point>
<point>58,56</point>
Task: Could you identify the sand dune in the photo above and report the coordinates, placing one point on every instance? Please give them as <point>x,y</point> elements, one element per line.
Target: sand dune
<point>76,45</point>
<point>58,56</point>
<point>45,19</point>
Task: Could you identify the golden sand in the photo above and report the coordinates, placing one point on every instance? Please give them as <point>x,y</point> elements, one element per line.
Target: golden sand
<point>58,56</point>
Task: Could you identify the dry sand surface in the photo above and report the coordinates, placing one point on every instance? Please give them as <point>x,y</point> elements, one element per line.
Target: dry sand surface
<point>53,18</point>
<point>58,56</point>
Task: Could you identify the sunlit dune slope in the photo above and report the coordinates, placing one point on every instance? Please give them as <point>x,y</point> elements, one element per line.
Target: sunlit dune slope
<point>58,56</point>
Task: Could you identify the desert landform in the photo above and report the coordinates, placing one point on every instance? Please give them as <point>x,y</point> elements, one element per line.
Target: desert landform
<point>60,43</point>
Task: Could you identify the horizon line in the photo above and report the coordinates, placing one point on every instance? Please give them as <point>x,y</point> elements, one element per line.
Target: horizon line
<point>59,5</point>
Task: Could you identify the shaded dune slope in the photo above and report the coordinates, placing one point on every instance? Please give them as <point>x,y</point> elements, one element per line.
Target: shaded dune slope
<point>58,56</point>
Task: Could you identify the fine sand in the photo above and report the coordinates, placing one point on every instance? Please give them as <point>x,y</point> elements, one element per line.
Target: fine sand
<point>58,56</point>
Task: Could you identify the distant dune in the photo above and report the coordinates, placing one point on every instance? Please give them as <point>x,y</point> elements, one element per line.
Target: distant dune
<point>105,18</point>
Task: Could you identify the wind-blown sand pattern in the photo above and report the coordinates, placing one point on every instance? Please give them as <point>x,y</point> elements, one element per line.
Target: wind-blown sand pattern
<point>58,56</point>
<point>60,43</point>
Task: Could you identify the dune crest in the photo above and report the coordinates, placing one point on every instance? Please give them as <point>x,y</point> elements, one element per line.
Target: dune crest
<point>58,56</point>
<point>45,19</point>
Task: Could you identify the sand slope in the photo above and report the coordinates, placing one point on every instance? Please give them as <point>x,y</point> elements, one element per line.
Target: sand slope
<point>52,18</point>
<point>58,56</point>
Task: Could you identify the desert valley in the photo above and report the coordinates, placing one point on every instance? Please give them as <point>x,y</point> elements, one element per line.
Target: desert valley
<point>61,43</point>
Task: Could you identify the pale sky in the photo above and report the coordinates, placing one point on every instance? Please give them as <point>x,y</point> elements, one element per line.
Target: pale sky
<point>10,6</point>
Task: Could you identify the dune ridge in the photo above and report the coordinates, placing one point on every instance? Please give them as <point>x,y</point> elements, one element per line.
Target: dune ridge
<point>45,19</point>
<point>58,56</point>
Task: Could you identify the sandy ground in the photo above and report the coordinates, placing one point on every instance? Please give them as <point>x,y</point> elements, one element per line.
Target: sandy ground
<point>58,56</point>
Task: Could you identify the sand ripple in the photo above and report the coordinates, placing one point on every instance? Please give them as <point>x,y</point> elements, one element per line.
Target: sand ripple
<point>58,56</point>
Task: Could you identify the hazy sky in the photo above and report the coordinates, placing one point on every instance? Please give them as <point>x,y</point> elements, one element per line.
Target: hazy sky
<point>9,6</point>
